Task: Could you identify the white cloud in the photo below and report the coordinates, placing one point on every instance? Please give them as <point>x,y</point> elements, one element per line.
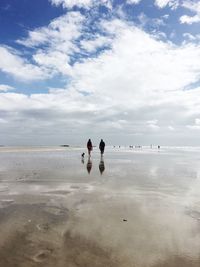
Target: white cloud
<point>152,122</point>
<point>15,65</point>
<point>196,125</point>
<point>54,60</point>
<point>155,23</point>
<point>153,125</point>
<point>136,86</point>
<point>191,5</point>
<point>6,88</point>
<point>60,33</point>
<point>173,4</point>
<point>190,19</point>
<point>56,44</point>
<point>142,74</point>
<point>135,2</point>
<point>194,7</point>
<point>2,121</point>
<point>171,128</point>
<point>71,3</point>
<point>166,16</point>
<point>135,55</point>
<point>98,41</point>
<point>190,38</point>
<point>197,121</point>
<point>58,38</point>
<point>82,3</point>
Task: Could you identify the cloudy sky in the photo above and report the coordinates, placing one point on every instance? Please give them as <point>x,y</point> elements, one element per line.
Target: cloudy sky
<point>127,71</point>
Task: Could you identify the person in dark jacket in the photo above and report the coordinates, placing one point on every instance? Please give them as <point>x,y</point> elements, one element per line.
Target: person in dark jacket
<point>102,146</point>
<point>89,147</point>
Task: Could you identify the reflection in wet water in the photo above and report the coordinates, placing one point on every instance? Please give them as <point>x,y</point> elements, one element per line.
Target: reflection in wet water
<point>83,158</point>
<point>101,166</point>
<point>89,165</point>
<point>144,211</point>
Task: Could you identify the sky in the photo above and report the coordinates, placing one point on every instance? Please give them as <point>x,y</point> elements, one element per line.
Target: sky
<point>127,71</point>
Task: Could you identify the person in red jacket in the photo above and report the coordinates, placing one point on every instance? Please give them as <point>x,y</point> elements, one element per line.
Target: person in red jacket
<point>89,147</point>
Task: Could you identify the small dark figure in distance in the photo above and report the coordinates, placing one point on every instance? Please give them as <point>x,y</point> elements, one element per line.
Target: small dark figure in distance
<point>82,157</point>
<point>89,147</point>
<point>102,146</point>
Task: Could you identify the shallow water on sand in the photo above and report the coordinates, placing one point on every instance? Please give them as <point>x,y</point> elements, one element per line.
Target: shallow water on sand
<point>134,207</point>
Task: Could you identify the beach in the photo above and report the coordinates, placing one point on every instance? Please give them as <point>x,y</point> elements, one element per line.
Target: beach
<point>133,207</point>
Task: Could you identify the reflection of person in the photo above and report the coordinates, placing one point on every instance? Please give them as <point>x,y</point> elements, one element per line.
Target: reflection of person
<point>89,165</point>
<point>101,166</point>
<point>102,146</point>
<point>89,147</point>
<point>82,157</point>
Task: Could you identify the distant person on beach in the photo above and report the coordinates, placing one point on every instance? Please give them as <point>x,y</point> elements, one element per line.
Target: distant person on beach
<point>102,146</point>
<point>89,147</point>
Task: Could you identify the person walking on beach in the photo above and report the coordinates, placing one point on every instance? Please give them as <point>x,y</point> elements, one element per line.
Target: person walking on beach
<point>102,146</point>
<point>89,147</point>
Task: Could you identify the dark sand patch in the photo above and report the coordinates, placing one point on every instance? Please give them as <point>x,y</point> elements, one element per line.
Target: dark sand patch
<point>80,252</point>
<point>32,238</point>
<point>20,251</point>
<point>178,261</point>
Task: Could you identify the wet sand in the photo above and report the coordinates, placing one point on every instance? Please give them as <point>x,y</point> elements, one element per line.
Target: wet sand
<point>137,208</point>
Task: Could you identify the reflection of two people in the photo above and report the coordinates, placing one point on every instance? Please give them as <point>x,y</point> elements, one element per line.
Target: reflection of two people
<point>101,165</point>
